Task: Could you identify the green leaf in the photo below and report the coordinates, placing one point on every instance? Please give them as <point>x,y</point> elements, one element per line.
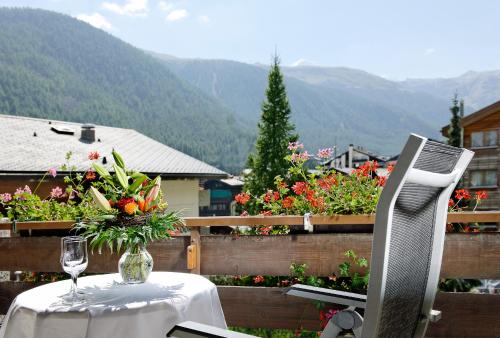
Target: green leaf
<point>103,172</point>
<point>137,183</point>
<point>118,159</point>
<point>121,176</point>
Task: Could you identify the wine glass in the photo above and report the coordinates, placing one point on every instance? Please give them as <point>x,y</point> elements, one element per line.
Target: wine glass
<point>74,260</point>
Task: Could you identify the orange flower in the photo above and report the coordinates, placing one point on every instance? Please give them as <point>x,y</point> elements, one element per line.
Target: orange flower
<point>90,175</point>
<point>288,202</point>
<point>142,205</point>
<point>130,208</point>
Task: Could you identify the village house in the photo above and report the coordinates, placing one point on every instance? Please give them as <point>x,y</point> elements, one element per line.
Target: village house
<point>480,134</point>
<point>30,146</point>
<point>354,157</point>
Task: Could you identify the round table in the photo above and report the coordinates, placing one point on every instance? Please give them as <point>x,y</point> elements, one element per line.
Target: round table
<point>112,309</point>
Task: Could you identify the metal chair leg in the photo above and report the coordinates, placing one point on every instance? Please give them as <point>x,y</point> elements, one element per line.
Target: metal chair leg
<point>331,330</point>
<point>347,319</point>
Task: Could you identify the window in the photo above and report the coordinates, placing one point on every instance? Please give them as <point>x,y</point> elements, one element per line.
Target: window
<point>483,178</point>
<point>484,139</point>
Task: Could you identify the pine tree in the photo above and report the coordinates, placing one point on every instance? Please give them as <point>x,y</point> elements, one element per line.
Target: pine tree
<point>275,132</point>
<point>455,131</point>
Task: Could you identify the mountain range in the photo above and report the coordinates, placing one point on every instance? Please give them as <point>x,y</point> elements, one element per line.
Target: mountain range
<point>54,66</point>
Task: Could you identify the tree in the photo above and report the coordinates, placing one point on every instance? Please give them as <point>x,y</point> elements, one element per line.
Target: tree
<point>454,130</point>
<point>275,133</point>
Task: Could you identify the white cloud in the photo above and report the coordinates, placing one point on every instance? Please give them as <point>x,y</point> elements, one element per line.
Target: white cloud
<point>130,7</point>
<point>204,19</point>
<point>96,20</point>
<point>429,51</point>
<point>177,14</point>
<point>165,6</point>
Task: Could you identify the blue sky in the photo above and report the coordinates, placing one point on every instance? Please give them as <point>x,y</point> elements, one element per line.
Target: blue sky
<point>394,39</point>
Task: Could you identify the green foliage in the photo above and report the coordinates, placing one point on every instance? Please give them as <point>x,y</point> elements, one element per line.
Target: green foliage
<point>56,67</point>
<point>275,132</point>
<point>458,284</point>
<point>156,227</point>
<point>30,207</point>
<point>323,191</point>
<point>353,276</point>
<point>454,130</point>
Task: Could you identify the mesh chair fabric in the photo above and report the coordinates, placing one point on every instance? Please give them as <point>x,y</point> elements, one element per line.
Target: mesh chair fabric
<point>410,245</point>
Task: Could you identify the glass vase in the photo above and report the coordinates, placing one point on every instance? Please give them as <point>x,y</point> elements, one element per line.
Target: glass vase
<point>135,265</point>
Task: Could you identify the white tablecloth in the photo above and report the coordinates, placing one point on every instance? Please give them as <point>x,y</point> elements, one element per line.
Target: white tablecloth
<point>113,309</point>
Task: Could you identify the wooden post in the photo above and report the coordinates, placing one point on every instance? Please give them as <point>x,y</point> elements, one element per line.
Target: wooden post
<point>194,251</point>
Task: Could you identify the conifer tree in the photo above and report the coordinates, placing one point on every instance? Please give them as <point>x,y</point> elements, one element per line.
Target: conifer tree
<point>275,132</point>
<point>454,130</point>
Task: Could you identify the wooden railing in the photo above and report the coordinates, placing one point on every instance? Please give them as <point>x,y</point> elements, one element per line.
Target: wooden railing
<point>466,255</point>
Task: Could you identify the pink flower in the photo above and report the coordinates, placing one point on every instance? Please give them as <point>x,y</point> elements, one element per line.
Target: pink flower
<point>298,157</point>
<point>20,191</point>
<point>258,279</point>
<point>5,197</point>
<point>52,172</point>
<point>56,192</point>
<point>325,153</point>
<point>293,146</point>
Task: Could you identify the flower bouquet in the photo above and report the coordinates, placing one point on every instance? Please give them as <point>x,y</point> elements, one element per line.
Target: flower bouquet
<point>133,215</point>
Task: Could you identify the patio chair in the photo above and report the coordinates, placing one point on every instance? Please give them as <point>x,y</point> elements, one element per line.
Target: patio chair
<point>408,240</point>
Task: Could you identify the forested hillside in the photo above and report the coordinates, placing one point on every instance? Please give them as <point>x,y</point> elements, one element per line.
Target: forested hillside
<point>54,66</point>
<point>330,106</point>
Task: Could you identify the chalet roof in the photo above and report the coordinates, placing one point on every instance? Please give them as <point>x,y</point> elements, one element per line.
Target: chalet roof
<point>23,152</point>
<point>233,181</point>
<point>476,116</point>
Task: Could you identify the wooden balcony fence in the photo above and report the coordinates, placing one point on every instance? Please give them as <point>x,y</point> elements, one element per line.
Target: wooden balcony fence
<point>466,255</point>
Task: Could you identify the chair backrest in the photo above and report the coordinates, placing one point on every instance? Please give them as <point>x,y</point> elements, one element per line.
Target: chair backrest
<point>408,238</point>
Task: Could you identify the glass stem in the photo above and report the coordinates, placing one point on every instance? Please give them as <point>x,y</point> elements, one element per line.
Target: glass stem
<point>74,278</point>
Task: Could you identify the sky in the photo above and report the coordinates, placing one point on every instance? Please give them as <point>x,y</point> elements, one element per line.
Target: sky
<point>396,39</point>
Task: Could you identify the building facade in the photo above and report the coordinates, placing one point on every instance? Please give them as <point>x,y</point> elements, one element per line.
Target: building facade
<point>480,132</point>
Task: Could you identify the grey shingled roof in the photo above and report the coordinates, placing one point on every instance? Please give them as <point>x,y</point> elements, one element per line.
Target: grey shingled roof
<point>21,152</point>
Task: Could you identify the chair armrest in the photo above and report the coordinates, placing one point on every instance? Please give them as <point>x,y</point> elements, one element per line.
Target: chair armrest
<point>328,295</point>
<point>194,330</point>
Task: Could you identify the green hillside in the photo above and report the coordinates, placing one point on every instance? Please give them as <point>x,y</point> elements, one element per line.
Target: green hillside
<point>54,66</point>
<point>329,105</point>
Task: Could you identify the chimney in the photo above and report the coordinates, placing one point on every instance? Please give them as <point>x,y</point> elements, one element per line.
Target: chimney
<point>88,133</point>
<point>351,153</point>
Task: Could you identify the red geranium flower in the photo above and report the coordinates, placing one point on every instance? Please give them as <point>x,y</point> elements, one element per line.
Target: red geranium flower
<point>288,202</point>
<point>381,180</point>
<point>299,188</point>
<point>276,195</point>
<point>451,203</point>
<point>258,279</point>
<point>242,198</point>
<point>93,155</point>
<point>462,194</point>
<point>481,195</point>
<point>327,182</point>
